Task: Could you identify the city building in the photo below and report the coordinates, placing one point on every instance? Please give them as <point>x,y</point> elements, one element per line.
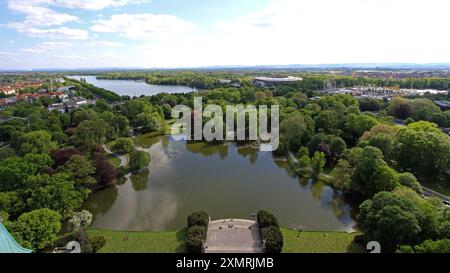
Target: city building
<point>267,81</point>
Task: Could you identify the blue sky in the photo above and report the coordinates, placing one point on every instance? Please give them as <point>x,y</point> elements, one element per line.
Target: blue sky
<point>192,33</point>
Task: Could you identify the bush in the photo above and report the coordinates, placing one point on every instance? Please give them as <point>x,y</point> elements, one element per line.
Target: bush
<point>200,218</point>
<point>266,219</point>
<point>97,243</point>
<point>195,237</point>
<point>273,238</point>
<point>138,160</point>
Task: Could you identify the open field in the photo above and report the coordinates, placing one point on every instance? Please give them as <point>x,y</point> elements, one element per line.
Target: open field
<point>173,241</point>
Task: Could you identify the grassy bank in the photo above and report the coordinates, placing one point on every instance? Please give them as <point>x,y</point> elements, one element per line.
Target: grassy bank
<point>173,241</point>
<point>141,242</point>
<point>319,242</point>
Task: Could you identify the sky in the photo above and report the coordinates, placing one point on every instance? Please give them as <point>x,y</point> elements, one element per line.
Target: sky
<point>37,34</point>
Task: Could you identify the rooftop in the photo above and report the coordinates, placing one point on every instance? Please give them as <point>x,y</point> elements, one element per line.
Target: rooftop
<point>8,244</point>
<point>286,79</point>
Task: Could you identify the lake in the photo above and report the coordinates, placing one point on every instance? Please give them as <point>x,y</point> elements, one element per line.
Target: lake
<point>224,180</point>
<point>133,88</point>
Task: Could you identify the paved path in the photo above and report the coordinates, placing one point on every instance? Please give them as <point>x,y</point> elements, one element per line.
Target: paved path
<point>123,158</point>
<point>233,236</point>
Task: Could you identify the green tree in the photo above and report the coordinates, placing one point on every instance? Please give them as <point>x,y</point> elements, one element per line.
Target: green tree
<point>37,229</point>
<point>37,142</point>
<point>55,192</point>
<point>80,170</point>
<point>90,133</point>
<point>139,160</point>
<point>297,129</point>
<point>123,145</point>
<point>423,150</point>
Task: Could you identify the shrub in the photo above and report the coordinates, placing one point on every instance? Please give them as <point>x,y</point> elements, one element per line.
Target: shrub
<point>195,237</point>
<point>266,219</point>
<point>97,243</point>
<point>200,218</point>
<point>273,238</point>
<point>139,160</point>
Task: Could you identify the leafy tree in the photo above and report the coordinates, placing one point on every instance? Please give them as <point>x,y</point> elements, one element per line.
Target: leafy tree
<point>266,219</point>
<point>423,150</point>
<point>123,145</point>
<point>429,246</point>
<point>356,125</point>
<point>400,107</point>
<point>38,142</point>
<point>297,129</point>
<point>61,156</point>
<point>423,109</point>
<point>37,229</point>
<point>15,170</point>
<point>80,170</point>
<point>397,218</point>
<point>410,181</point>
<point>104,170</point>
<point>139,160</point>
<point>55,192</point>
<point>274,239</point>
<point>81,220</point>
<point>90,133</point>
<point>148,122</point>
<point>200,218</point>
<point>195,237</point>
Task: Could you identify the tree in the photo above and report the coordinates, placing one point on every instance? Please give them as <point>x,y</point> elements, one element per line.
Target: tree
<point>61,156</point>
<point>423,109</point>
<point>429,246</point>
<point>410,181</point>
<point>200,218</point>
<point>80,170</point>
<point>297,129</point>
<point>400,108</point>
<point>356,124</point>
<point>423,150</point>
<point>55,192</point>
<point>90,133</point>
<point>123,145</point>
<point>81,220</point>
<point>139,160</point>
<point>148,122</point>
<point>104,170</point>
<point>37,142</point>
<point>273,238</point>
<point>195,237</point>
<point>37,229</point>
<point>397,218</point>
<point>370,173</point>
<point>385,143</point>
<point>266,219</point>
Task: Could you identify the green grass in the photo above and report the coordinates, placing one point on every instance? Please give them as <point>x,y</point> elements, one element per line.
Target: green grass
<point>318,242</point>
<point>173,241</point>
<point>115,161</point>
<point>141,242</point>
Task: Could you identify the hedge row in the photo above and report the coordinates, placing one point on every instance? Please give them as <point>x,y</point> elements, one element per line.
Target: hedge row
<point>270,231</point>
<point>197,227</point>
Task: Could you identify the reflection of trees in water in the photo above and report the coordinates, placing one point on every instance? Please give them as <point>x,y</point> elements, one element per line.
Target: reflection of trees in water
<point>336,204</point>
<point>140,180</point>
<point>100,202</point>
<point>207,149</point>
<point>245,151</point>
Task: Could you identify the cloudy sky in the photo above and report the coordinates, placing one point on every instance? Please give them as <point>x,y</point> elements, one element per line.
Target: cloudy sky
<point>194,33</point>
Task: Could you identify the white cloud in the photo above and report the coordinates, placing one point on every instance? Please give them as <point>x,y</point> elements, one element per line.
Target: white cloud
<point>32,50</point>
<point>55,45</point>
<point>36,15</point>
<point>52,33</point>
<point>144,26</point>
<point>92,4</point>
<point>106,44</point>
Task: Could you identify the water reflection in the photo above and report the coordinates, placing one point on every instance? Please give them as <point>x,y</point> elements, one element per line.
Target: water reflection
<point>225,180</point>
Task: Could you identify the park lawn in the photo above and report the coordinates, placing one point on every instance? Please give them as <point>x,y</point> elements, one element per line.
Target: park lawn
<point>141,242</point>
<point>317,242</point>
<point>115,161</point>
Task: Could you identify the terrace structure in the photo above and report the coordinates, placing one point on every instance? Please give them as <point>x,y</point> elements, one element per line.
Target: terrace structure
<point>7,242</point>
